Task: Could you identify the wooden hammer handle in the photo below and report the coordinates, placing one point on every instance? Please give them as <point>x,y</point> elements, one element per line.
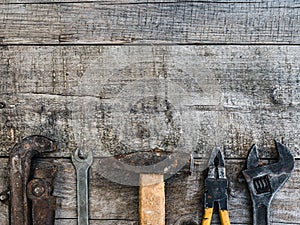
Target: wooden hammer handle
<point>152,199</point>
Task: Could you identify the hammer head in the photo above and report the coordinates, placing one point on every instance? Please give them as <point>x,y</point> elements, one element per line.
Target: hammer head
<point>268,179</point>
<point>126,169</point>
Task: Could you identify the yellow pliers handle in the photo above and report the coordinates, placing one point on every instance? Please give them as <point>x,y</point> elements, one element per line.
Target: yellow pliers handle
<point>224,217</point>
<point>207,216</point>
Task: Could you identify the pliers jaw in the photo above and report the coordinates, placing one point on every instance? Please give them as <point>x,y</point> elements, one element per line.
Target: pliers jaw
<point>216,189</point>
<point>216,165</point>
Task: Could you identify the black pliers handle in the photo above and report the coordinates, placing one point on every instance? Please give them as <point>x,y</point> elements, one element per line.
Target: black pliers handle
<point>216,189</point>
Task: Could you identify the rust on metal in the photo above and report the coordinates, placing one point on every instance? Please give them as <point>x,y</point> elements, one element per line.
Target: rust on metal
<point>39,191</point>
<point>126,168</point>
<point>19,175</point>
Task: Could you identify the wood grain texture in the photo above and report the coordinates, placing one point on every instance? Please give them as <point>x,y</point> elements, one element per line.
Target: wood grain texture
<point>108,76</point>
<point>119,99</point>
<point>117,2</point>
<point>111,203</point>
<point>152,199</point>
<point>191,22</point>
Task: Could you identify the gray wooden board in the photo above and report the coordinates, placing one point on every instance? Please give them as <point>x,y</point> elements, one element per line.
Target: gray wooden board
<point>163,22</point>
<point>116,2</point>
<point>111,203</point>
<point>118,99</point>
<point>67,73</point>
<point>95,222</point>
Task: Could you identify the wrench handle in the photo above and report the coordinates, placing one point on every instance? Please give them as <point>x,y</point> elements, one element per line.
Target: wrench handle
<point>82,196</point>
<point>260,214</point>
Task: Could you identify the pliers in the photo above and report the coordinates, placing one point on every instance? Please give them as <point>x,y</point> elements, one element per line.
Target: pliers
<point>216,185</point>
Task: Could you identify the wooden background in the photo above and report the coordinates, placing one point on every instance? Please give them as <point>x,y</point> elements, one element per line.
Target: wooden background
<point>128,75</point>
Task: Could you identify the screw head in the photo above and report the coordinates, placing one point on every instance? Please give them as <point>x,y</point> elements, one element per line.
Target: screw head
<point>3,197</point>
<point>38,190</point>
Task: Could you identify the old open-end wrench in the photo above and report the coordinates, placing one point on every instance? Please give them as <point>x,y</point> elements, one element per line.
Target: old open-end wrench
<point>82,165</point>
<point>265,181</point>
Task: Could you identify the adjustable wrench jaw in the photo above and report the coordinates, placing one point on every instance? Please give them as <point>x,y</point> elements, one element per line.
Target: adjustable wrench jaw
<point>265,181</point>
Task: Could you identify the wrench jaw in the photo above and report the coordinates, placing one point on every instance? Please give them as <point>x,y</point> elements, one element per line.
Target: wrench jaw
<point>78,161</point>
<point>265,181</point>
<point>286,159</point>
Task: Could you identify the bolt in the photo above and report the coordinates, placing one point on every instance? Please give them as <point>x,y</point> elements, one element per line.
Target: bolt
<point>3,197</point>
<point>38,191</point>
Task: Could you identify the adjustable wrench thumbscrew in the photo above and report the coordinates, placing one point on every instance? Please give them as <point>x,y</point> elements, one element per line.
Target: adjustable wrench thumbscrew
<point>82,165</point>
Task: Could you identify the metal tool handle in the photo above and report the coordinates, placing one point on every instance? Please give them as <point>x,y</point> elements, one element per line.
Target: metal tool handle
<point>82,166</point>
<point>260,214</point>
<point>82,196</point>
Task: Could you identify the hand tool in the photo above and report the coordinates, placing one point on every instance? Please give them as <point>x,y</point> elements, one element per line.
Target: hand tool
<point>39,191</point>
<point>146,169</point>
<point>19,174</point>
<point>265,181</point>
<point>82,165</point>
<point>216,185</point>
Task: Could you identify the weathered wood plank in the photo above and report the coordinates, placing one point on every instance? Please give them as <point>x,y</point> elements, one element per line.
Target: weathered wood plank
<point>170,22</point>
<point>128,98</point>
<point>118,204</point>
<point>117,2</point>
<point>3,187</point>
<point>96,222</point>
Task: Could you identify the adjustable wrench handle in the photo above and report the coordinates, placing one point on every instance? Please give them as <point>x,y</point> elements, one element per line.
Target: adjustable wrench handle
<point>260,202</point>
<point>260,214</point>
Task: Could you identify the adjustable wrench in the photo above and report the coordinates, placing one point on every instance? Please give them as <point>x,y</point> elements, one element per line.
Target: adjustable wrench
<point>265,181</point>
<point>82,166</point>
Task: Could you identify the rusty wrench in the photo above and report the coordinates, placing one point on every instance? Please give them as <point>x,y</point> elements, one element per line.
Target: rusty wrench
<point>82,166</point>
<point>19,171</point>
<point>265,181</point>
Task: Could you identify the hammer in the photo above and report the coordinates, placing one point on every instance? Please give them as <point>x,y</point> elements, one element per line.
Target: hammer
<point>148,170</point>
